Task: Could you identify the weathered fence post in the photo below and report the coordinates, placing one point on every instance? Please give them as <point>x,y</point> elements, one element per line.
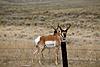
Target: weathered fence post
<point>64,54</point>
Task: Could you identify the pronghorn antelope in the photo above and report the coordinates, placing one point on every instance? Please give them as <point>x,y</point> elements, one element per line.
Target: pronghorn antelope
<point>64,32</point>
<point>45,41</point>
<point>49,41</point>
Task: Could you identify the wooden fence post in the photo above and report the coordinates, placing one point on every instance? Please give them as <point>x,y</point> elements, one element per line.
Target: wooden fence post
<point>64,54</point>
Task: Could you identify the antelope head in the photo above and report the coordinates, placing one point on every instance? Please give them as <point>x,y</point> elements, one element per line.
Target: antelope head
<point>64,31</point>
<point>56,30</point>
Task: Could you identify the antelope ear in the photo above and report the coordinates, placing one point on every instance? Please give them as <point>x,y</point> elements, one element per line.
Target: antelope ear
<point>69,25</point>
<point>57,26</point>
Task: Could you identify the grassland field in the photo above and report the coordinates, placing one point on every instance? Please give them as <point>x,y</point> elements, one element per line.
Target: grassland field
<point>21,20</point>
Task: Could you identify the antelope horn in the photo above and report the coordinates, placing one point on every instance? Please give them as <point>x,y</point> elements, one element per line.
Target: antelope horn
<point>59,27</point>
<point>53,27</point>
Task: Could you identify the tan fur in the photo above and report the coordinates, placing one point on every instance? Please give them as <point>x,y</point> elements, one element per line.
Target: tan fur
<point>41,45</point>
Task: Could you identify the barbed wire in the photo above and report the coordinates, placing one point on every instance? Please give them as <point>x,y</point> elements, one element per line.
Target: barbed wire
<point>33,48</point>
<point>30,59</point>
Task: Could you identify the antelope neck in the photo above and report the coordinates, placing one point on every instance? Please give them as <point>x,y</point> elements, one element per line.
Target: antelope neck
<point>63,39</point>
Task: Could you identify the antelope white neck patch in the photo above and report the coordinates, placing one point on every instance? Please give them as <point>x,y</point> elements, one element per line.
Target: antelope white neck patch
<point>63,40</point>
<point>64,29</point>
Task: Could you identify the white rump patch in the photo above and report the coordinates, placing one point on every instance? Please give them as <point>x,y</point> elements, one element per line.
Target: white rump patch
<point>64,29</point>
<point>50,43</point>
<point>37,40</point>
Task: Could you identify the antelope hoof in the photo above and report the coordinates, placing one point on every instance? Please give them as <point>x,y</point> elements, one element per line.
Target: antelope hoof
<point>56,63</point>
<point>40,62</point>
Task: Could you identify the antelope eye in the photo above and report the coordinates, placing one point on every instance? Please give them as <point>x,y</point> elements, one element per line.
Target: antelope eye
<point>59,31</point>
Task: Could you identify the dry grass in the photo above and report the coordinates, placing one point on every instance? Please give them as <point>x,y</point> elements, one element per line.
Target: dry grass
<point>20,23</point>
<point>83,51</point>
